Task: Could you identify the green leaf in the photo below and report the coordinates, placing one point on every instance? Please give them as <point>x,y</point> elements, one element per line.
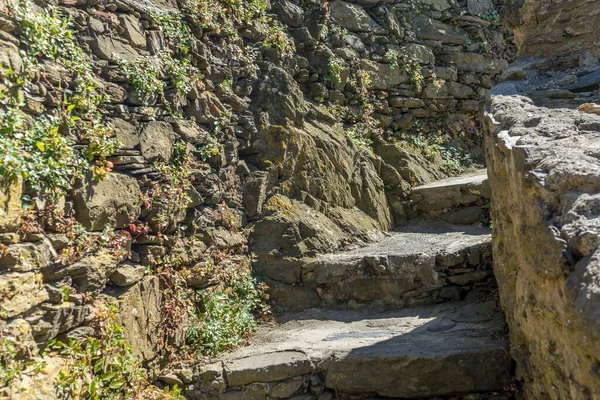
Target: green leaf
<point>108,376</point>
<point>40,146</point>
<point>98,365</point>
<point>116,384</point>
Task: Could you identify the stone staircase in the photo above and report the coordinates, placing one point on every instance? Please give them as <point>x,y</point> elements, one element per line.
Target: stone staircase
<point>414,315</point>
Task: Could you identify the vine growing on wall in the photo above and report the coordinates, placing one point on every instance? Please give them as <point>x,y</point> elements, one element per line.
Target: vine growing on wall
<point>43,150</point>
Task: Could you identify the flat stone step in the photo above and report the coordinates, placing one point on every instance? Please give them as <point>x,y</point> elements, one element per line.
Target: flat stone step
<point>424,263</point>
<point>461,200</point>
<point>449,349</point>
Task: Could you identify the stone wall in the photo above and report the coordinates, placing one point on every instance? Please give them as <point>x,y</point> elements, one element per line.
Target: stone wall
<point>265,142</point>
<point>544,173</point>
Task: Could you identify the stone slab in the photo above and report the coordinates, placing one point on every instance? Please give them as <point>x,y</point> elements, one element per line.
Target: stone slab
<point>417,352</point>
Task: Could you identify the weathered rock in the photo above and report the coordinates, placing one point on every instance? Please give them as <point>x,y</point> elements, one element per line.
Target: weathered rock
<point>134,32</point>
<point>126,133</point>
<point>545,177</point>
<point>480,7</point>
<point>266,368</point>
<point>255,194</point>
<point>112,201</point>
<point>54,319</point>
<point>140,314</point>
<point>108,48</point>
<point>207,108</point>
<point>90,274</point>
<point>156,141</point>
<point>289,13</point>
<point>383,76</point>
<point>19,292</point>
<point>353,17</point>
<point>26,257</point>
<point>454,200</point>
<point>127,274</point>
<point>403,268</point>
<point>281,97</point>
<point>409,353</point>
<point>475,62</point>
<point>9,56</point>
<point>543,29</point>
<point>437,5</point>
<point>10,203</point>
<point>427,28</point>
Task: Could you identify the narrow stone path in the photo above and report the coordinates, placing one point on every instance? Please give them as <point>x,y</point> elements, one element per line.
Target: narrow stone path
<point>414,315</point>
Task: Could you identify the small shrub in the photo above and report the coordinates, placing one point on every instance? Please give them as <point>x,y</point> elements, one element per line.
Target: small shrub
<point>336,68</point>
<point>221,321</point>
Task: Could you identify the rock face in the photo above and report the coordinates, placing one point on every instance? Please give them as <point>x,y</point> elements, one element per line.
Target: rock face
<point>555,28</point>
<point>545,178</point>
<point>542,139</point>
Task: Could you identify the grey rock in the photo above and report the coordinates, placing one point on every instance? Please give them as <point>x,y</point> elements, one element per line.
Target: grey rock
<point>289,13</point>
<point>353,17</point>
<point>437,5</point>
<point>480,7</point>
<point>127,274</point>
<point>266,367</point>
<point>126,133</point>
<point>410,352</point>
<point>134,32</point>
<point>586,83</point>
<point>111,201</point>
<point>108,48</point>
<point>427,28</point>
<point>156,141</point>
<point>383,76</point>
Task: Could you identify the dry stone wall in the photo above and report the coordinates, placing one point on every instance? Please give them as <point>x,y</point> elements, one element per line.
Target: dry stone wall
<point>261,136</point>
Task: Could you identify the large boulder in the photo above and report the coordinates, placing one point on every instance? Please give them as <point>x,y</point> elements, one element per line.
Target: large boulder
<point>112,201</point>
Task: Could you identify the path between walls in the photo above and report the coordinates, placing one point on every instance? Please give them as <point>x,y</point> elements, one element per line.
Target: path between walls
<point>414,315</point>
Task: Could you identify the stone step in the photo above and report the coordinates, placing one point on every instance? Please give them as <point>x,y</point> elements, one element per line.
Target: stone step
<point>442,350</point>
<point>461,200</point>
<point>424,263</point>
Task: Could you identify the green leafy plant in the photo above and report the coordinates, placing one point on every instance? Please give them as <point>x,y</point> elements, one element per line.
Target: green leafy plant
<point>211,148</point>
<point>336,68</point>
<point>392,57</point>
<point>143,75</point>
<point>276,36</point>
<point>175,29</point>
<point>43,152</point>
<point>408,65</point>
<point>492,16</point>
<point>222,320</point>
<point>182,74</point>
<point>362,143</point>
<point>103,366</point>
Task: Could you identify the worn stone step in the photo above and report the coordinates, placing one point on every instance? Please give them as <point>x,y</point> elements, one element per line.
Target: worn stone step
<point>424,263</point>
<point>461,200</point>
<point>449,349</point>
